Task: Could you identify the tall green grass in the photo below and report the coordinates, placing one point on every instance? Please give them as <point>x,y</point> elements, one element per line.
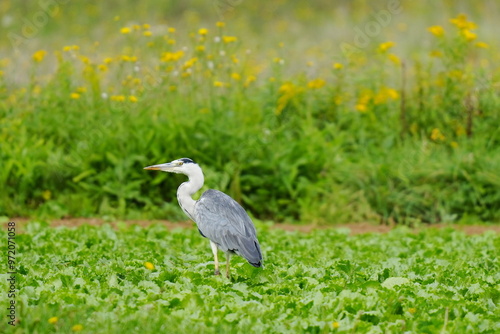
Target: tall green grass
<point>384,135</point>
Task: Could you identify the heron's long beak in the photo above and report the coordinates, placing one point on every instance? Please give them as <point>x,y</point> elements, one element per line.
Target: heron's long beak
<point>164,167</point>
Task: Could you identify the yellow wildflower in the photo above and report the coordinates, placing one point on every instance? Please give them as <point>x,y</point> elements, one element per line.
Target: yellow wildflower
<point>36,89</point>
<point>134,99</point>
<point>363,100</point>
<point>118,98</point>
<point>461,22</point>
<point>102,68</point>
<point>203,31</point>
<point>53,320</point>
<point>74,96</point>
<point>146,26</point>
<point>385,94</point>
<point>287,92</point>
<point>436,30</point>
<point>235,59</point>
<point>1,74</point>
<point>235,76</point>
<point>46,195</point>
<point>125,30</point>
<point>85,60</point>
<point>172,56</point>
<point>385,46</point>
<point>278,60</point>
<point>468,35</point>
<point>392,93</point>
<point>436,53</point>
<point>149,265</point>
<point>454,144</point>
<point>316,83</point>
<point>395,59</point>
<point>171,30</point>
<point>71,47</point>
<point>361,107</point>
<point>189,63</point>
<point>219,84</point>
<point>147,33</point>
<point>287,88</point>
<point>412,310</point>
<point>136,27</point>
<point>436,135</point>
<point>249,80</point>
<point>338,66</point>
<point>229,39</point>
<point>200,48</point>
<point>220,24</point>
<point>77,328</point>
<point>108,60</point>
<point>171,41</point>
<point>456,74</point>
<point>335,325</point>
<point>482,45</point>
<point>39,55</point>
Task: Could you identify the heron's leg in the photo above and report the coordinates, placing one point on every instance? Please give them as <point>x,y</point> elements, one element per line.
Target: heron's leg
<point>216,260</point>
<point>228,259</point>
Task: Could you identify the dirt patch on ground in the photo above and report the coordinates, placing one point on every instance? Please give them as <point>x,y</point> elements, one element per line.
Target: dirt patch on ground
<point>75,222</point>
<point>360,228</point>
<point>356,228</point>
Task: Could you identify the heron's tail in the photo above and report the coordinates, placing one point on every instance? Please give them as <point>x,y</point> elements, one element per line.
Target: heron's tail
<point>254,256</point>
<point>257,265</point>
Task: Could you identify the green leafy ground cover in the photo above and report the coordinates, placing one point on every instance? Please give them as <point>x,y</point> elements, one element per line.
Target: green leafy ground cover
<point>95,278</point>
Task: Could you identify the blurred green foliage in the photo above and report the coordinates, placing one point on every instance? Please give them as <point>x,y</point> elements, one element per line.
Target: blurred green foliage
<point>278,113</point>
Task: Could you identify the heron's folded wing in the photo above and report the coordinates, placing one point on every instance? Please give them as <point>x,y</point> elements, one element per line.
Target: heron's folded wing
<point>221,219</point>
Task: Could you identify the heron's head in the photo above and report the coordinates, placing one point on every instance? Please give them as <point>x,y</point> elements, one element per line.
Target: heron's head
<point>182,166</point>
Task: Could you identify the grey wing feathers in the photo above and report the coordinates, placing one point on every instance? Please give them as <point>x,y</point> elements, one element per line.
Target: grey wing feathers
<point>222,220</point>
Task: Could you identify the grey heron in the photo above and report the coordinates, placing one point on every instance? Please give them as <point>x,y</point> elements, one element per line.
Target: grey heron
<point>218,217</point>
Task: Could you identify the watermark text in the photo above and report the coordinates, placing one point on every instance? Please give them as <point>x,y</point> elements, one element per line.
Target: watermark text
<point>11,273</point>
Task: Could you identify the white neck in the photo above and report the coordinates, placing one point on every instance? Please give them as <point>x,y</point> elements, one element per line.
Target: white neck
<point>189,188</point>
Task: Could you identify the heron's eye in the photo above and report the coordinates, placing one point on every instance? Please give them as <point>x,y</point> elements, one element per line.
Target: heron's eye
<point>180,163</point>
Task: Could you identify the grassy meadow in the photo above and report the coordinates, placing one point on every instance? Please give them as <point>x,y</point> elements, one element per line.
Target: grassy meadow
<point>320,112</point>
<point>314,112</point>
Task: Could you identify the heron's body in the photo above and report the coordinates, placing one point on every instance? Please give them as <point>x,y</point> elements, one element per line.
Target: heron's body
<point>235,232</point>
<point>218,217</point>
